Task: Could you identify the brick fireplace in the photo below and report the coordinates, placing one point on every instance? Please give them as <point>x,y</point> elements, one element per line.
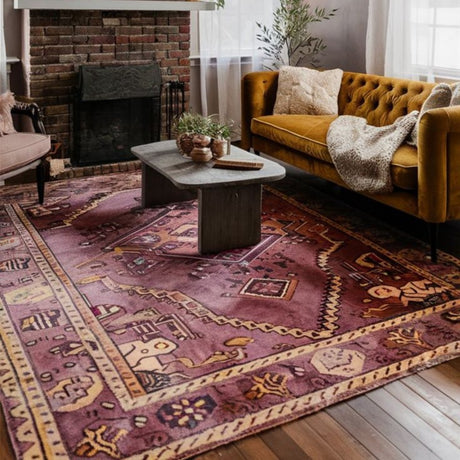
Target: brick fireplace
<point>63,40</point>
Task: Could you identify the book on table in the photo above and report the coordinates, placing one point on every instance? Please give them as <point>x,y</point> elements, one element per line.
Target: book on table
<point>238,164</point>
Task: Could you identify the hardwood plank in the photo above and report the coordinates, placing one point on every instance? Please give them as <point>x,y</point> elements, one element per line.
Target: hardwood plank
<point>254,448</point>
<point>387,426</point>
<point>310,441</point>
<point>6,450</point>
<point>450,369</point>
<point>426,390</point>
<point>426,411</point>
<point>455,363</point>
<point>347,446</point>
<point>226,452</point>
<point>444,377</point>
<point>360,429</point>
<point>282,445</point>
<point>434,441</point>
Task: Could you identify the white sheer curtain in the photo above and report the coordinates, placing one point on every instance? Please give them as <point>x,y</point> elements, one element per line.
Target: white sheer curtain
<point>376,36</point>
<point>25,51</point>
<point>398,49</point>
<point>3,70</point>
<point>422,38</point>
<point>228,49</point>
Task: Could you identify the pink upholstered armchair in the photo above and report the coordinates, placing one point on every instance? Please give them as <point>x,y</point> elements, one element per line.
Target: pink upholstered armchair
<point>20,151</point>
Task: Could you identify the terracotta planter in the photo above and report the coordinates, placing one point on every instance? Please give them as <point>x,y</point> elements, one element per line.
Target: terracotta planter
<point>201,154</point>
<point>220,147</point>
<point>184,143</point>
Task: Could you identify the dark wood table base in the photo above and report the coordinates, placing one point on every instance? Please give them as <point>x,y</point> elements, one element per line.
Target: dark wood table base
<point>228,217</point>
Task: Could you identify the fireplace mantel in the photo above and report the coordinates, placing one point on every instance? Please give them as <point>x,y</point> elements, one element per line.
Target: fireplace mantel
<point>127,5</point>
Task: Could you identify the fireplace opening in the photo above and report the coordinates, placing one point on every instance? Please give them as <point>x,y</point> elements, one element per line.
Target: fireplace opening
<point>115,108</point>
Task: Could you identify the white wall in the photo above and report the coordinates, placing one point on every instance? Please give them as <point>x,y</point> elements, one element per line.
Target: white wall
<point>13,41</point>
<point>12,22</point>
<point>344,34</point>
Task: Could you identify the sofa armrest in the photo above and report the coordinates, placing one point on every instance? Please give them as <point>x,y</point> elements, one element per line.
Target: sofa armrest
<point>258,95</point>
<point>30,109</point>
<point>439,165</point>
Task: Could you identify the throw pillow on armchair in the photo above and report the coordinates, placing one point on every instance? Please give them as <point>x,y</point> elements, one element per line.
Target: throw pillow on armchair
<point>6,121</point>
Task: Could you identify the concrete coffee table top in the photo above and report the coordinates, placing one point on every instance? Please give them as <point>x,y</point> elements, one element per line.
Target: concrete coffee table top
<point>184,173</point>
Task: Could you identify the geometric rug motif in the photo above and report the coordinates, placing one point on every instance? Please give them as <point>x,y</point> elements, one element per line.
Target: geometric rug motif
<point>269,288</point>
<point>119,340</point>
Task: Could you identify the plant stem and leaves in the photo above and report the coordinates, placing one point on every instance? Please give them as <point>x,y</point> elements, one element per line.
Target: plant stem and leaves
<point>190,122</point>
<point>218,129</point>
<point>220,3</point>
<point>195,123</point>
<point>290,35</point>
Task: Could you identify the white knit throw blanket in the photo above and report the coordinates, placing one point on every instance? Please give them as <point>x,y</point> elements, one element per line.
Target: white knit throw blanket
<point>362,153</point>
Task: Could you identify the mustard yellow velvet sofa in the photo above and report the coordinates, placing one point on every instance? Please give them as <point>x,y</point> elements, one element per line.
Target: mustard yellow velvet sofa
<point>426,178</point>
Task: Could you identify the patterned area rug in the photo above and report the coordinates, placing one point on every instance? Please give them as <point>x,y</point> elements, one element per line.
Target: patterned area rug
<point>118,340</point>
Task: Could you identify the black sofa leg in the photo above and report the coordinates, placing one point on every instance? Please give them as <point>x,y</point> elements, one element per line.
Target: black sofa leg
<point>433,232</point>
<point>40,172</point>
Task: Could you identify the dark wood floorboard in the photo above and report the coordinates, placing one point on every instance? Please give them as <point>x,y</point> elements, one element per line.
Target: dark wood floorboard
<point>314,445</point>
<point>254,448</point>
<point>282,445</point>
<point>414,404</point>
<point>401,437</point>
<point>337,437</point>
<point>435,441</point>
<point>357,427</point>
<point>443,403</point>
<point>445,377</point>
<point>6,451</point>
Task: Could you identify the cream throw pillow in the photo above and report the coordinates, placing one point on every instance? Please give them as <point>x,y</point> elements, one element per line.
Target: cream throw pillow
<point>439,97</point>
<point>6,121</point>
<point>308,91</point>
<point>455,94</point>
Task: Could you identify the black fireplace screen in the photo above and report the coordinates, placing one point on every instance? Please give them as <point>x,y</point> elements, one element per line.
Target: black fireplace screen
<point>115,108</point>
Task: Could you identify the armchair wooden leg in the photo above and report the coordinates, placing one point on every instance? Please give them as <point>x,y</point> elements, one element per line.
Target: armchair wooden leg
<point>41,172</point>
<point>433,232</point>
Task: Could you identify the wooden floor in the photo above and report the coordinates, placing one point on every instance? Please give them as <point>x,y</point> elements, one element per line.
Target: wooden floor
<point>417,417</point>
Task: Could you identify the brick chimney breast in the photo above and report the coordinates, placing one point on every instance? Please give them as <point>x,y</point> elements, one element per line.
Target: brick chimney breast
<point>63,40</point>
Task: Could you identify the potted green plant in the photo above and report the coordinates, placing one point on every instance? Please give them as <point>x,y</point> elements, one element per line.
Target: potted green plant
<point>220,134</point>
<point>187,126</point>
<point>209,128</point>
<point>191,122</point>
<point>290,34</point>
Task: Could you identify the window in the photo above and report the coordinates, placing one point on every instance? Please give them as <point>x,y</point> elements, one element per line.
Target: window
<point>423,39</point>
<point>436,39</point>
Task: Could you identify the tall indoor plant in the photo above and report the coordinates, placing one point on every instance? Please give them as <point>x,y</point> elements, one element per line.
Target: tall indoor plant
<point>289,39</point>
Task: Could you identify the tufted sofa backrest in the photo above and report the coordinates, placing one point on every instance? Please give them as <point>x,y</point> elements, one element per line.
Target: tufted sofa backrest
<point>380,99</point>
